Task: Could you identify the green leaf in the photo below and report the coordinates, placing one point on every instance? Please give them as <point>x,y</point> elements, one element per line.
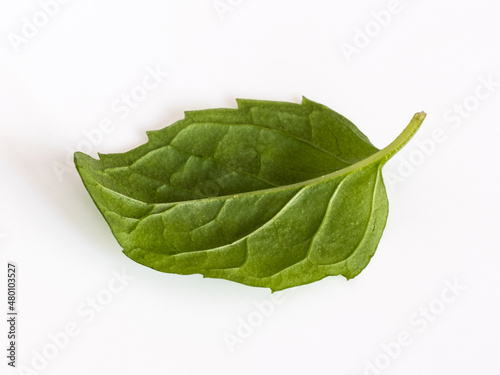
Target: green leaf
<point>270,194</point>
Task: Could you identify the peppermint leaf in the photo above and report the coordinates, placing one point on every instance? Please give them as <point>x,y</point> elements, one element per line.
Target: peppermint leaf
<point>271,194</point>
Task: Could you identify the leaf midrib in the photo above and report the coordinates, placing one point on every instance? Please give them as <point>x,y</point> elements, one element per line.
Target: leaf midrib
<point>380,156</point>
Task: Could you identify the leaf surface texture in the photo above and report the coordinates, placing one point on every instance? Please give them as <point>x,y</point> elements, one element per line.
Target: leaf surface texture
<point>270,194</point>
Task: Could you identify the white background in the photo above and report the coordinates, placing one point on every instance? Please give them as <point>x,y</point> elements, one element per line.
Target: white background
<point>66,76</point>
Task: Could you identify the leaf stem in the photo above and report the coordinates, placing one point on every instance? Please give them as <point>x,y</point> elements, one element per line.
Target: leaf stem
<point>381,156</point>
<point>404,137</point>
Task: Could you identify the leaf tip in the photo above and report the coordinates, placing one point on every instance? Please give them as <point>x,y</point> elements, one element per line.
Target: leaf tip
<point>78,158</point>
